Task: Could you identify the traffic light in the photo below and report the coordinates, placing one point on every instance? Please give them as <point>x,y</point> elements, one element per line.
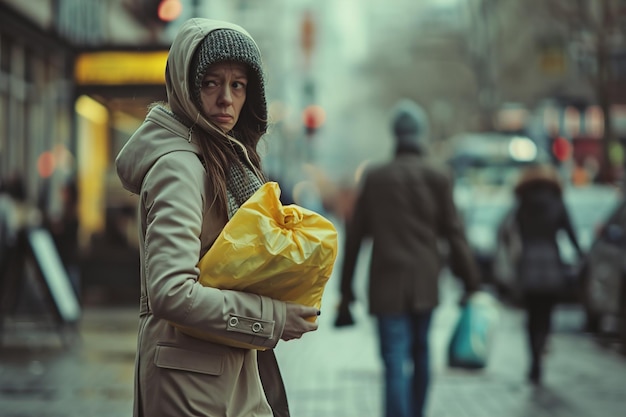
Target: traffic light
<point>313,117</point>
<point>307,36</point>
<point>561,149</point>
<point>169,10</point>
<point>157,12</point>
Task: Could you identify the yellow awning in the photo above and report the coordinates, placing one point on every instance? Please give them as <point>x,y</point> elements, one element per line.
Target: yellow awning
<point>120,67</point>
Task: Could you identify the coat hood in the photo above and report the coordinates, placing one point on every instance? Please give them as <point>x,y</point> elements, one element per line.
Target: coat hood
<point>179,79</point>
<point>160,134</point>
<point>168,130</point>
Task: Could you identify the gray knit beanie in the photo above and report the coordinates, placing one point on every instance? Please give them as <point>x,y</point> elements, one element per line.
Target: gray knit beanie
<point>230,45</point>
<point>410,126</point>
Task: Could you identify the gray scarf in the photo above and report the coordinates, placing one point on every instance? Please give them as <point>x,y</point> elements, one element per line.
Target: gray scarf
<point>240,185</point>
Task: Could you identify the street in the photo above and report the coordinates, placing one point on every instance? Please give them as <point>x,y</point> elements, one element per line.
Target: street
<point>329,373</point>
<point>334,69</point>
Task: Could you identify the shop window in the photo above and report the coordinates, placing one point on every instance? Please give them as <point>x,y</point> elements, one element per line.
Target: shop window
<point>5,54</point>
<point>29,66</point>
<point>4,133</point>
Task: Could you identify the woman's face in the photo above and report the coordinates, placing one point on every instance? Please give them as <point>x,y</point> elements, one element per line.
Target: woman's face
<point>223,93</point>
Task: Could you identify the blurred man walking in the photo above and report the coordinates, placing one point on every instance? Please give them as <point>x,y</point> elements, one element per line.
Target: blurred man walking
<point>406,207</point>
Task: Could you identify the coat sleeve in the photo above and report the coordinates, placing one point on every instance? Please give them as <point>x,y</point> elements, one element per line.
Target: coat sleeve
<point>450,227</point>
<point>566,224</point>
<point>173,195</point>
<point>356,229</point>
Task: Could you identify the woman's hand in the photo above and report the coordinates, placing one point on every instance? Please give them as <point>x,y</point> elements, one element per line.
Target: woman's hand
<point>296,323</point>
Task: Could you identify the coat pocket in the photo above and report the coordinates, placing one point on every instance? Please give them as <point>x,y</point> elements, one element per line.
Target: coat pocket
<point>541,269</point>
<point>172,357</point>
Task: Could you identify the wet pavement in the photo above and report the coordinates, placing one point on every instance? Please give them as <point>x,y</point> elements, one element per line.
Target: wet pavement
<point>47,373</point>
<point>329,373</point>
<point>337,372</point>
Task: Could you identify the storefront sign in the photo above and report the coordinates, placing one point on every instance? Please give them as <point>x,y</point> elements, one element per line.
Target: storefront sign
<point>120,68</point>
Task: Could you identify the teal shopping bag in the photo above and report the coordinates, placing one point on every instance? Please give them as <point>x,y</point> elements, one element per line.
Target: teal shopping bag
<point>471,338</point>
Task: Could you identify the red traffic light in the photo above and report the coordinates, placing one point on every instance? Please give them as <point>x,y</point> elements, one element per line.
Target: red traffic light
<point>313,116</point>
<point>169,10</point>
<point>561,148</point>
<point>155,13</point>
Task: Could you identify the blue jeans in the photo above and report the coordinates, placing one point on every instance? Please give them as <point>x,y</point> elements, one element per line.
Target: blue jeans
<point>404,350</point>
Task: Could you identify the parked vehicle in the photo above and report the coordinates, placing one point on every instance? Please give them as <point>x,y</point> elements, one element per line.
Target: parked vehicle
<point>482,217</point>
<point>490,158</point>
<point>604,277</point>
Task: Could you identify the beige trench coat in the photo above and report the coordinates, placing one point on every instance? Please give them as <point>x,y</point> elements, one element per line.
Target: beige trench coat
<point>178,375</point>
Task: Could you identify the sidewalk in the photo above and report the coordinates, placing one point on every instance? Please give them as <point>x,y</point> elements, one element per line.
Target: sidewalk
<point>328,373</point>
<point>337,372</point>
<point>86,374</point>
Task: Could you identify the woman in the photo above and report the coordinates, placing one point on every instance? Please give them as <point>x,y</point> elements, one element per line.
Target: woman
<point>540,215</point>
<point>193,162</point>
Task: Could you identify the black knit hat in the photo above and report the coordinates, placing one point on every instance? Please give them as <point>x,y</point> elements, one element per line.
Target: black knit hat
<point>230,45</point>
<point>410,126</point>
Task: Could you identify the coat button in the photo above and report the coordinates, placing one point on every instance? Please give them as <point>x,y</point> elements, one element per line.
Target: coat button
<point>257,327</point>
<point>233,322</point>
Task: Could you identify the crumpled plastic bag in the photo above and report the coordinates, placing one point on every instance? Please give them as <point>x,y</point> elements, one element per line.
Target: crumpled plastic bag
<point>283,252</point>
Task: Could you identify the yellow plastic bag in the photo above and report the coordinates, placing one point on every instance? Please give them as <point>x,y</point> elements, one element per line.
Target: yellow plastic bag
<point>283,252</point>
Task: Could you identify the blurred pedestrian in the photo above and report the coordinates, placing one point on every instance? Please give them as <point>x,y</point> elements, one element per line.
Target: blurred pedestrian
<point>6,235</point>
<point>64,230</point>
<point>193,162</point>
<point>17,216</point>
<point>17,213</point>
<point>5,209</point>
<point>541,213</point>
<point>406,207</point>
<point>12,198</point>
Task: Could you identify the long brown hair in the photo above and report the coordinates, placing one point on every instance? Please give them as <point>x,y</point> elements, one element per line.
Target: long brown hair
<point>219,153</point>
